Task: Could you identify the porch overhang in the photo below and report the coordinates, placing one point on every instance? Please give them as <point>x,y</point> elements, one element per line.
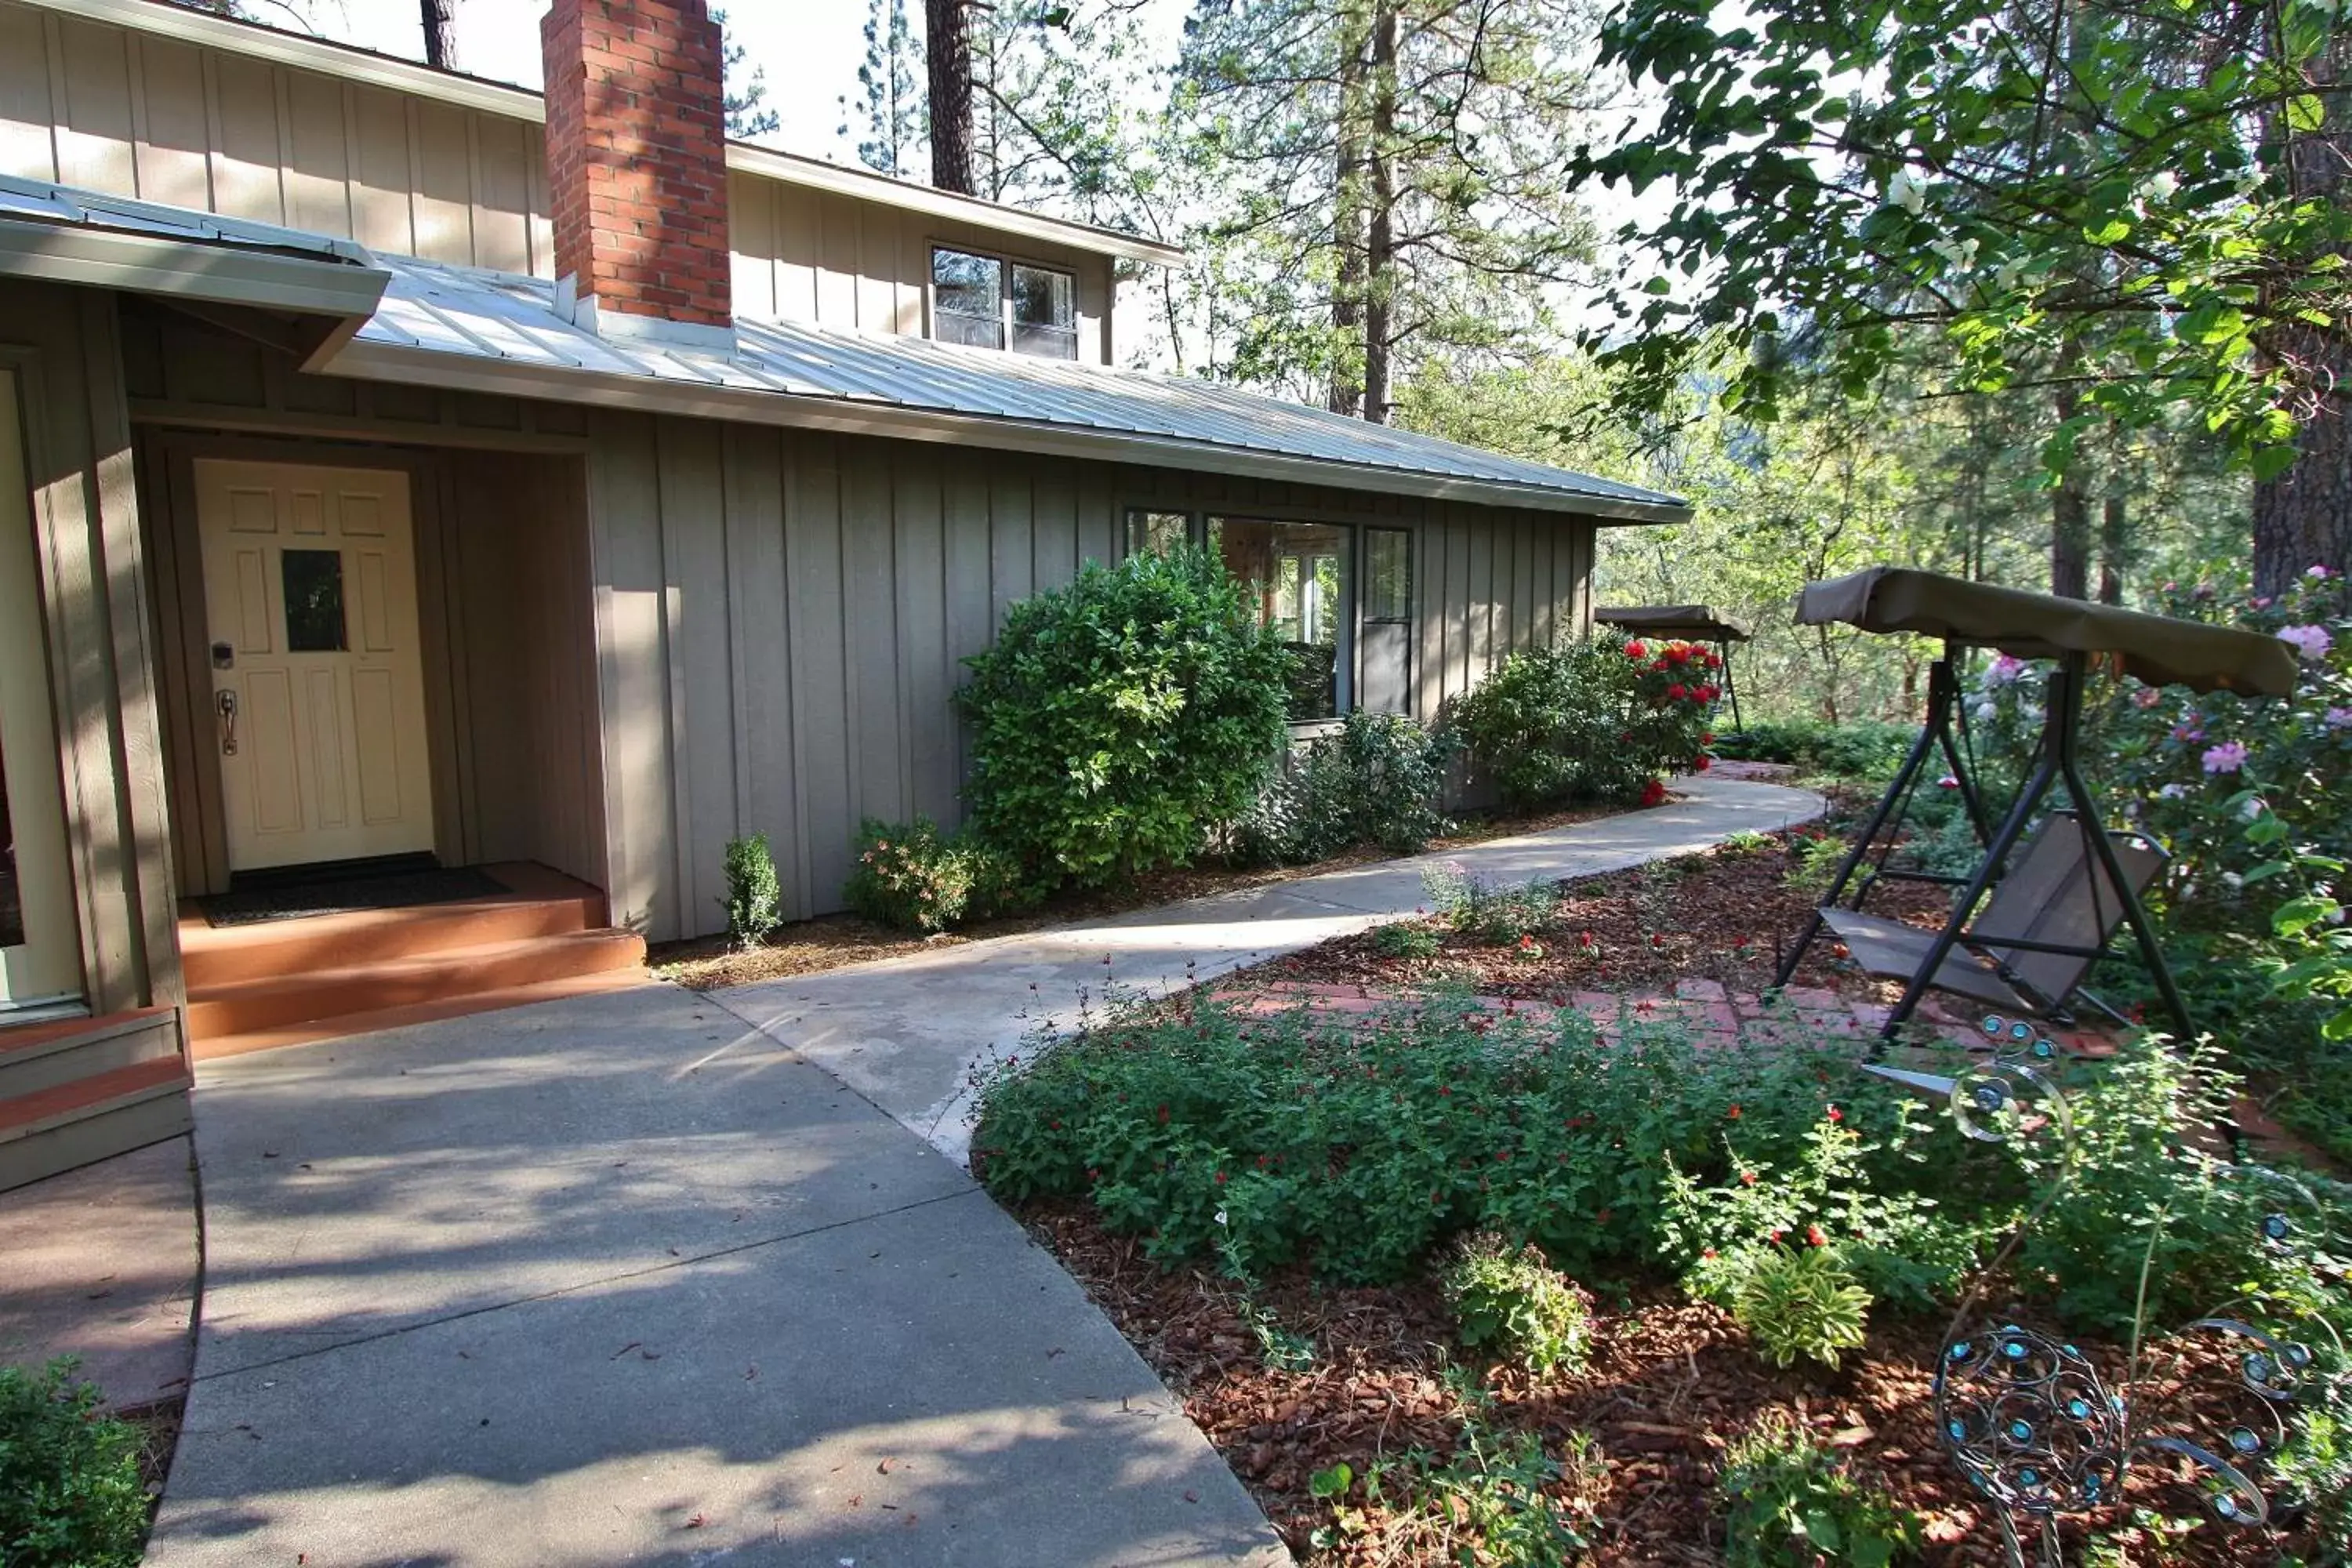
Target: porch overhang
<point>189,270</point>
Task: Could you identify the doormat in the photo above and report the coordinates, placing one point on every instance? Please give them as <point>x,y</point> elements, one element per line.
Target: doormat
<point>343,895</point>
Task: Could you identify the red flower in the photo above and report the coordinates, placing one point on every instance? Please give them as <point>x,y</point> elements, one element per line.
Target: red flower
<point>1706,1252</point>
<point>1674,693</point>
<point>1701,763</point>
<point>1747,1177</point>
<point>1637,650</point>
<point>1814,1236</point>
<point>1220,1178</point>
<point>1836,1114</point>
<point>1706,738</point>
<point>1774,1235</point>
<point>1654,793</point>
<point>1715,661</point>
<point>1678,652</point>
<point>1733,1113</point>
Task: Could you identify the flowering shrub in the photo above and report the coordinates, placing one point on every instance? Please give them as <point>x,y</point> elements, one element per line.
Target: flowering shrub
<point>911,876</point>
<point>1592,720</point>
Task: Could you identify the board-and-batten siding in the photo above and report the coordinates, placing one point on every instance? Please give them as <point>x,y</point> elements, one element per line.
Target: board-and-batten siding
<point>784,618</point>
<point>109,109</point>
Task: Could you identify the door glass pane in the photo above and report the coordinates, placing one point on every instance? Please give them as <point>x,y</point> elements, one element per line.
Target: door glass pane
<point>12,905</point>
<point>1156,533</point>
<point>1388,574</point>
<point>967,299</point>
<point>1387,648</point>
<point>1297,577</point>
<point>314,601</point>
<point>1044,313</point>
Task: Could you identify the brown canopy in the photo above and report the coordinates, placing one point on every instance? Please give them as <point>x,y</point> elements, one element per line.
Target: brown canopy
<point>1696,623</point>
<point>2158,649</point>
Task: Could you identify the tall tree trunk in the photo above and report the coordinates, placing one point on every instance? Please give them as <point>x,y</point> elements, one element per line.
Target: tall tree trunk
<point>2070,511</point>
<point>1379,243</point>
<point>440,32</point>
<point>2303,517</point>
<point>1347,205</point>
<point>2112,532</point>
<point>947,49</point>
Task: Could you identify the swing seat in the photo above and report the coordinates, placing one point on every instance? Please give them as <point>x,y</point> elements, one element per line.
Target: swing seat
<point>2056,894</point>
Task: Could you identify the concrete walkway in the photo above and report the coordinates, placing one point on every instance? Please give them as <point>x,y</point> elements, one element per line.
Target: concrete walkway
<point>913,1035</point>
<point>653,1278</point>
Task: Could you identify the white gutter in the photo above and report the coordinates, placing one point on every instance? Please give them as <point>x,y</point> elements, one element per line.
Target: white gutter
<point>224,274</point>
<point>347,62</point>
<point>700,400</point>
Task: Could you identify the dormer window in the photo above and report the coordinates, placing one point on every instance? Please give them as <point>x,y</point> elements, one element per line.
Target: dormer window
<point>989,303</point>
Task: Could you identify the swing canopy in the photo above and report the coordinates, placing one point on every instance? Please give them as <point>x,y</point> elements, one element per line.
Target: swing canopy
<point>2157,649</point>
<point>1692,623</point>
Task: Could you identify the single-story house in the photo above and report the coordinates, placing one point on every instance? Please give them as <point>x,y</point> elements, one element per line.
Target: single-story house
<point>402,469</point>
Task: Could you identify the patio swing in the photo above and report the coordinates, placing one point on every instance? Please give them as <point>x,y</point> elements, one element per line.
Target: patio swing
<point>2053,911</point>
<point>1690,623</point>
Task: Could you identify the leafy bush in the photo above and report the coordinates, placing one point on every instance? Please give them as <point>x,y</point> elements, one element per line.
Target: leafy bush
<point>1513,1303</point>
<point>1859,749</point>
<point>1592,721</point>
<point>1788,1504</point>
<point>755,899</point>
<point>70,1495</point>
<point>1376,781</point>
<point>1800,1303</point>
<point>1497,913</point>
<point>1117,720</point>
<point>1362,1150</point>
<point>911,876</point>
<point>1405,939</point>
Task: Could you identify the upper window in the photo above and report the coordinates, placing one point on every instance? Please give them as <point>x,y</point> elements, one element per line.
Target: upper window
<point>984,301</point>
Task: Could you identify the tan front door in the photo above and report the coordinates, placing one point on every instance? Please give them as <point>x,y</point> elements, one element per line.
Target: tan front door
<point>317,681</point>
<point>40,947</point>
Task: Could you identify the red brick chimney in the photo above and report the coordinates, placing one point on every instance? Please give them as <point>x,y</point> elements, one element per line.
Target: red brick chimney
<point>636,168</point>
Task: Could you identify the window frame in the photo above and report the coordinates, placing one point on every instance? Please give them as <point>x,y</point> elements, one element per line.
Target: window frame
<point>1006,263</point>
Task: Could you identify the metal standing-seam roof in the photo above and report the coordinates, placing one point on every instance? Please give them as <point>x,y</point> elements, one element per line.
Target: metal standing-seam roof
<point>436,321</point>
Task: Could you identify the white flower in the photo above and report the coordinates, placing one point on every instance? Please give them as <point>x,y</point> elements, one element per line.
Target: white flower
<point>1960,253</point>
<point>2232,881</point>
<point>1987,712</point>
<point>1907,191</point>
<point>1220,1216</point>
<point>2173,791</point>
<point>2255,805</point>
<point>2159,186</point>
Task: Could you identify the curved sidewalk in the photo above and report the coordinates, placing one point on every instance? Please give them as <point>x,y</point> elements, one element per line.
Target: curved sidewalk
<point>653,1278</point>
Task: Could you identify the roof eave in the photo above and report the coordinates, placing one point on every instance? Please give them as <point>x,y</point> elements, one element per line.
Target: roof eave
<point>370,360</point>
<point>223,274</point>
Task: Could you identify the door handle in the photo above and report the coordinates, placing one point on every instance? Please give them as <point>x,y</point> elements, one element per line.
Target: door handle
<point>225,703</point>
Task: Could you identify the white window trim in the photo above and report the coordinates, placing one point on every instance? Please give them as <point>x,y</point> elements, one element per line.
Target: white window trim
<point>1005,261</point>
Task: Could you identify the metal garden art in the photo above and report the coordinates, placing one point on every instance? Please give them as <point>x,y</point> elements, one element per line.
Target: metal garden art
<point>2029,1419</point>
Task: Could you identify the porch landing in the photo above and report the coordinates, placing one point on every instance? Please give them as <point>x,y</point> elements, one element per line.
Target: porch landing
<point>285,981</point>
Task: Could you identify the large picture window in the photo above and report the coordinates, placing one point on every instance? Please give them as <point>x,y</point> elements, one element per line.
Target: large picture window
<point>987,303</point>
<point>1298,578</point>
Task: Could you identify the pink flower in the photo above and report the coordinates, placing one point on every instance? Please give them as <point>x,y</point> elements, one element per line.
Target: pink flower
<point>2311,642</point>
<point>1947,782</point>
<point>2226,757</point>
<point>2339,718</point>
<point>2320,573</point>
<point>2147,697</point>
<point>2005,670</point>
<point>2261,601</point>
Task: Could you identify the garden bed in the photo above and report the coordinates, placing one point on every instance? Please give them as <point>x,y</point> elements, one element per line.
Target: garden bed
<point>830,941</point>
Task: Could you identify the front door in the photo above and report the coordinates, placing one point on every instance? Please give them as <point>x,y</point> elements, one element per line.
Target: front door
<point>40,947</point>
<point>317,677</point>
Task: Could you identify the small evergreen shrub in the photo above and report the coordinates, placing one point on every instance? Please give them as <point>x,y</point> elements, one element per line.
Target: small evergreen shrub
<point>1788,1503</point>
<point>70,1495</point>
<point>1406,939</point>
<point>1497,913</point>
<point>911,876</point>
<point>1117,720</point>
<point>1511,1302</point>
<point>1377,782</point>
<point>755,899</point>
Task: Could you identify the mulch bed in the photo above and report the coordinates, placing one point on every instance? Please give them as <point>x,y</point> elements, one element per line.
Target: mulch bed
<point>829,941</point>
<point>1669,1386</point>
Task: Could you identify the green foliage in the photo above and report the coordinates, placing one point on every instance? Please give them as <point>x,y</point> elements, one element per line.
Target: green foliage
<point>1406,939</point>
<point>1361,1150</point>
<point>1511,1302</point>
<point>1494,1502</point>
<point>754,898</point>
<point>1376,781</point>
<point>1746,841</point>
<point>1856,748</point>
<point>1117,718</point>
<point>1497,913</point>
<point>2316,1466</point>
<point>1788,1503</point>
<point>1591,721</point>
<point>70,1495</point>
<point>1800,1303</point>
<point>1813,861</point>
<point>911,876</point>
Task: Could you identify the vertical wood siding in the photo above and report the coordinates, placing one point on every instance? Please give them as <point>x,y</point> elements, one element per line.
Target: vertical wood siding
<point>784,618</point>
<point>109,109</point>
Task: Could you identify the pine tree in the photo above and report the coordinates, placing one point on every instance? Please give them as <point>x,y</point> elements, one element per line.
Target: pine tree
<point>890,94</point>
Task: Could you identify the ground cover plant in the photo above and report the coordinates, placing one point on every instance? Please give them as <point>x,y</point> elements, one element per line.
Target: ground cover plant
<point>70,1491</point>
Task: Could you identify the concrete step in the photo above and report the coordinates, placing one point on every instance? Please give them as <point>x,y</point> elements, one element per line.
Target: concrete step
<point>41,1057</point>
<point>244,1006</point>
<point>92,1119</point>
<point>431,1012</point>
<point>541,903</point>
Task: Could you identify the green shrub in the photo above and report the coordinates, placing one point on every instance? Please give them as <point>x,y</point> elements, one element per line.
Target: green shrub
<point>1801,1303</point>
<point>70,1495</point>
<point>1591,721</point>
<point>1788,1504</point>
<point>755,901</point>
<point>1406,939</point>
<point>1497,913</point>
<point>1511,1302</point>
<point>1857,749</point>
<point>1117,718</point>
<point>911,876</point>
<point>1376,780</point>
<point>1360,1148</point>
